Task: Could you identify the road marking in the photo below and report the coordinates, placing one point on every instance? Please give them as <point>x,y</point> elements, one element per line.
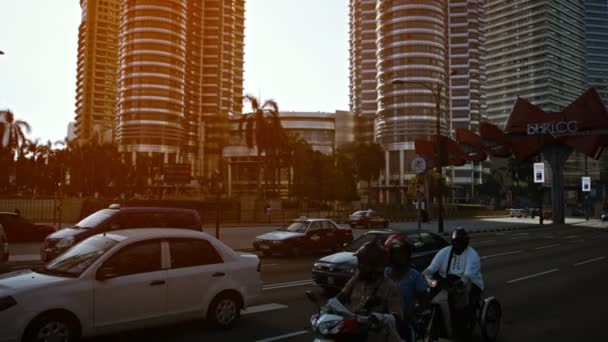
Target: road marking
<point>487,241</point>
<point>500,254</point>
<point>281,337</point>
<point>588,261</point>
<point>543,247</point>
<point>289,284</point>
<point>570,237</point>
<point>532,276</point>
<point>518,238</point>
<point>262,308</point>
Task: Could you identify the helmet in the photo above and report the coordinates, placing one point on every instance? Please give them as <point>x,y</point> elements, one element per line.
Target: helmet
<point>397,241</point>
<point>371,256</point>
<point>459,234</point>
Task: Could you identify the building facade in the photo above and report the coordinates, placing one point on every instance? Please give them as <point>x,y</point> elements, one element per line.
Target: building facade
<point>161,76</point>
<point>596,12</point>
<point>325,132</point>
<point>96,82</point>
<point>435,50</point>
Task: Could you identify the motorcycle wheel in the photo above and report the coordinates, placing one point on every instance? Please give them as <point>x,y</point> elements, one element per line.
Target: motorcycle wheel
<point>490,319</point>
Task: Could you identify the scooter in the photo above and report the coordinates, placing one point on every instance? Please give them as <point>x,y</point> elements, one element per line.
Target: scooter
<point>335,322</point>
<point>436,322</point>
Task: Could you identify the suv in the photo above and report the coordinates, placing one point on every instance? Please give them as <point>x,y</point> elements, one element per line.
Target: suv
<point>116,218</point>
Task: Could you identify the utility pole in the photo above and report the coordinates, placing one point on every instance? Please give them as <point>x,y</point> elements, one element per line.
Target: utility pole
<point>441,158</point>
<point>586,193</point>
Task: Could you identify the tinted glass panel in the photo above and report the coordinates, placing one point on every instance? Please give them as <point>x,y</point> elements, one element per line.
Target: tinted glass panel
<point>137,258</point>
<point>191,252</point>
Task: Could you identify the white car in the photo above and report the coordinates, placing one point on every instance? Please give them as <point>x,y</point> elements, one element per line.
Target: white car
<point>128,279</point>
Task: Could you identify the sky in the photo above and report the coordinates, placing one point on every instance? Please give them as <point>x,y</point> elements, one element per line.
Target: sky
<point>296,53</point>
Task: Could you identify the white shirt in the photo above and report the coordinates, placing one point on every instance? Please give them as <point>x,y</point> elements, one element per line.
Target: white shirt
<point>467,264</point>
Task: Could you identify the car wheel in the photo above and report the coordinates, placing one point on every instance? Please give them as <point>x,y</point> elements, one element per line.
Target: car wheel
<point>224,310</point>
<point>52,327</point>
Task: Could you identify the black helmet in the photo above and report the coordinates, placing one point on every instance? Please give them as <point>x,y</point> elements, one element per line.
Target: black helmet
<point>459,234</point>
<point>371,255</point>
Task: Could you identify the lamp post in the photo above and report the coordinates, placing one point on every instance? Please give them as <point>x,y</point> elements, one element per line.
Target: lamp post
<point>436,88</point>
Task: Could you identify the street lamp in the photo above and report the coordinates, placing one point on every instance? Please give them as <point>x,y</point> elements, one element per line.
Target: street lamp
<point>436,89</point>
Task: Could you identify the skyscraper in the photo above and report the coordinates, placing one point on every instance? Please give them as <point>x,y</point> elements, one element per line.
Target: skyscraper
<point>536,50</point>
<point>180,72</point>
<point>435,49</point>
<point>96,82</point>
<point>596,12</point>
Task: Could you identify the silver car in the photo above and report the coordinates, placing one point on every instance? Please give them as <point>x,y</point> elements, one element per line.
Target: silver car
<point>3,250</point>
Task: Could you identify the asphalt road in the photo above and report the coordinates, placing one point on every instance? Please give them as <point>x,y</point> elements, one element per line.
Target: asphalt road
<point>550,281</point>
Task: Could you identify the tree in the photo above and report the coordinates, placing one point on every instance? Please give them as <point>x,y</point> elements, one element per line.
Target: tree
<point>263,130</point>
<point>369,159</point>
<point>12,136</point>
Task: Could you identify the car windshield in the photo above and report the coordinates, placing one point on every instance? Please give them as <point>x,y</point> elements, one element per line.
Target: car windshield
<point>77,259</point>
<point>360,213</point>
<point>95,219</point>
<point>295,227</point>
<point>357,243</point>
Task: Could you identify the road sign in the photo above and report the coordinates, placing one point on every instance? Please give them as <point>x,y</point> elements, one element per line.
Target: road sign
<point>418,165</point>
<point>539,172</point>
<point>586,184</point>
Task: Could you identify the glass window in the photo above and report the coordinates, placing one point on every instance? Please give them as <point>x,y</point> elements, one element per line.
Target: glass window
<point>180,220</point>
<point>314,227</point>
<point>296,227</point>
<point>141,257</point>
<point>193,252</point>
<point>95,219</point>
<point>328,225</point>
<point>357,243</point>
<point>80,257</point>
<point>133,220</point>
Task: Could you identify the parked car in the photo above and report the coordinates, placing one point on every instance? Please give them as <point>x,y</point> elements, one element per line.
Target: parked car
<point>115,218</point>
<point>4,253</point>
<point>19,229</point>
<point>304,235</point>
<point>332,272</point>
<point>367,219</point>
<point>605,217</point>
<point>128,279</point>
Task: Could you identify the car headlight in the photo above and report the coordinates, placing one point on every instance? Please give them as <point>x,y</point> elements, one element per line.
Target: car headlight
<point>65,243</point>
<point>317,265</point>
<point>277,242</point>
<point>7,302</point>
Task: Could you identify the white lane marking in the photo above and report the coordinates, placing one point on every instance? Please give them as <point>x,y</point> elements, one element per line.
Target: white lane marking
<point>532,276</point>
<point>518,238</point>
<point>570,237</point>
<point>486,241</point>
<point>281,337</point>
<point>543,247</point>
<point>500,254</point>
<point>289,284</point>
<point>588,261</point>
<point>262,308</point>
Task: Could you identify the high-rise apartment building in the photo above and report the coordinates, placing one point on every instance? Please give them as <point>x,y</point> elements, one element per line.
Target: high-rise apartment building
<point>434,48</point>
<point>96,82</point>
<point>180,73</point>
<point>162,75</point>
<point>596,12</point>
<point>537,51</point>
<point>363,72</point>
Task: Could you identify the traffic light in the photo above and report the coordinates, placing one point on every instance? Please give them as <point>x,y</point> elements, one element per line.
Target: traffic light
<point>177,173</point>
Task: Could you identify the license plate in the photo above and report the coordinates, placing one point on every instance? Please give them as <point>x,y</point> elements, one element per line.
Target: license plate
<point>330,280</point>
<point>264,247</point>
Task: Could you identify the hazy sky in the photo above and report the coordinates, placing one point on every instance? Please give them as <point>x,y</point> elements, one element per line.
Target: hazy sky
<point>296,53</point>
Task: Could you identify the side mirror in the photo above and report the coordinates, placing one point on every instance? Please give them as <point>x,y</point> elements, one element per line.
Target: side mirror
<point>106,272</point>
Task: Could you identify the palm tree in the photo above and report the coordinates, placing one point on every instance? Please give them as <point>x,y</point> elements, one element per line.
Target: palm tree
<point>263,131</point>
<point>12,136</point>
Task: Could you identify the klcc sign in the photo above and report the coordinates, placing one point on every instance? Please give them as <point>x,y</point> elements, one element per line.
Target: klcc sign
<point>555,129</point>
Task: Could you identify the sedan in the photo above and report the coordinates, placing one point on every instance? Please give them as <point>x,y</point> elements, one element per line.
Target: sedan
<point>128,279</point>
<point>18,229</point>
<point>332,272</point>
<point>304,235</point>
<point>367,219</point>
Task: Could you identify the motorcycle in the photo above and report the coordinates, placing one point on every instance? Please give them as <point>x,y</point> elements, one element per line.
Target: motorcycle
<point>335,322</point>
<point>436,322</point>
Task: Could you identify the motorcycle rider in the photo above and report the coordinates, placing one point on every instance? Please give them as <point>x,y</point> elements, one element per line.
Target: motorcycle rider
<point>409,281</point>
<point>460,260</point>
<point>369,292</point>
